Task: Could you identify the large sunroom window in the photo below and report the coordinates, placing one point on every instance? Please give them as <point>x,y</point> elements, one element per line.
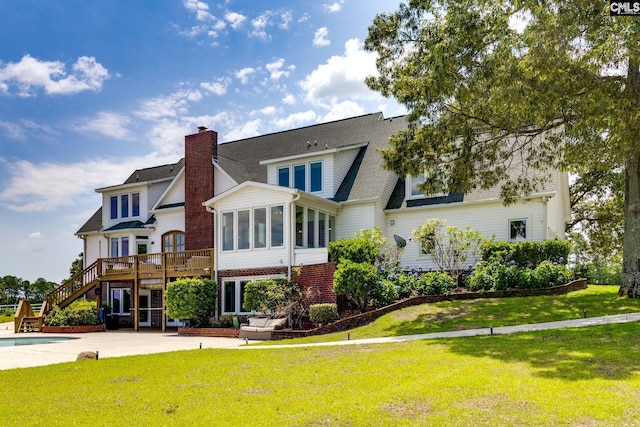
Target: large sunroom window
<point>254,228</point>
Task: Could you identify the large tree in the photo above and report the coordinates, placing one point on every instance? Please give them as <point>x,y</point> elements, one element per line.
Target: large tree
<point>496,86</point>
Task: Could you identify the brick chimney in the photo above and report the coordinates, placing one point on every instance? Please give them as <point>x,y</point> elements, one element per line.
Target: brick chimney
<point>199,151</point>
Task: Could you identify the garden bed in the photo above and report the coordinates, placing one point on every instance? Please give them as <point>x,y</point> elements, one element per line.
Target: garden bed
<point>78,329</point>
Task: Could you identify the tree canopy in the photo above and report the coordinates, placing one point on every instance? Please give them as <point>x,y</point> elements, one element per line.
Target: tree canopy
<point>507,92</point>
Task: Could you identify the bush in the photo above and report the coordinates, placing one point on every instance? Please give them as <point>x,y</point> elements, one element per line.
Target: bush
<point>77,313</point>
<point>360,284</point>
<point>431,283</point>
<point>265,295</point>
<point>191,299</point>
<point>502,276</point>
<point>7,312</point>
<point>323,313</point>
<point>353,249</point>
<point>526,254</point>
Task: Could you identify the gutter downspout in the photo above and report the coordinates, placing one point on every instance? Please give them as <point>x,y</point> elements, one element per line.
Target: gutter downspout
<point>215,258</point>
<point>292,237</point>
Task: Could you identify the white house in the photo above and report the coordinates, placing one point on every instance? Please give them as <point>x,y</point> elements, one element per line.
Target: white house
<point>268,206</point>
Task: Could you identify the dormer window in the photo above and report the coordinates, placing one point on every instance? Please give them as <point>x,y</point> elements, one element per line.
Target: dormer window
<point>124,206</point>
<point>412,190</point>
<point>306,176</point>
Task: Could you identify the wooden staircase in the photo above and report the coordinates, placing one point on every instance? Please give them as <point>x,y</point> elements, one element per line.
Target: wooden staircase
<point>26,321</point>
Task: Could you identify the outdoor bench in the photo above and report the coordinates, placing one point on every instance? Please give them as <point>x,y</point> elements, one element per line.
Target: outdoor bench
<point>259,328</point>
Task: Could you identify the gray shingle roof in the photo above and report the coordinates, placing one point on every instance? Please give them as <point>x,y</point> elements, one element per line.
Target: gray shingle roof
<point>93,224</point>
<point>241,159</point>
<point>157,172</point>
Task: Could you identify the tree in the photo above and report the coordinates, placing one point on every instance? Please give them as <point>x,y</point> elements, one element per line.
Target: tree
<point>494,87</point>
<point>40,288</point>
<point>12,287</point>
<point>77,265</point>
<point>449,247</point>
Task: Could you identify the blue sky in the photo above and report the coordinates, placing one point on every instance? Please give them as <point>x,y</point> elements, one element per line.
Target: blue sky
<point>92,90</point>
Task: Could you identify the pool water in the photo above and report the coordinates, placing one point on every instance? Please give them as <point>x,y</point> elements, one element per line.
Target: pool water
<point>12,342</point>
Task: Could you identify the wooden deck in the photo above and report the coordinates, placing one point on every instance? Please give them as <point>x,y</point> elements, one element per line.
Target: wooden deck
<point>165,265</point>
<point>137,269</point>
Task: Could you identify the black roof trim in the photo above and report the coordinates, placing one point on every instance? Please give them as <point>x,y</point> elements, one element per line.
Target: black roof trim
<point>126,225</point>
<point>347,183</point>
<point>428,201</point>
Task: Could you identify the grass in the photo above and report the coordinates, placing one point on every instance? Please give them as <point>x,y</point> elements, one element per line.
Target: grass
<point>586,377</point>
<point>5,318</point>
<point>482,313</point>
<point>570,377</point>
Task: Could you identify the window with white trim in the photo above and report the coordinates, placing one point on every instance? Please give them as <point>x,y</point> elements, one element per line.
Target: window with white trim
<point>124,206</point>
<point>254,228</point>
<point>120,301</point>
<point>233,293</point>
<point>305,176</point>
<point>517,230</point>
<point>312,229</point>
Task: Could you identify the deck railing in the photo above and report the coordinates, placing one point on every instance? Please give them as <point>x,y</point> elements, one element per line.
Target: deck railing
<point>165,264</point>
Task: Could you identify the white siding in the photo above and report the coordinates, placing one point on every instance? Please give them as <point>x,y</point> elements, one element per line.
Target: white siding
<point>93,246</point>
<point>558,209</point>
<point>249,198</point>
<point>491,219</point>
<point>169,220</point>
<point>154,192</point>
<point>176,193</point>
<point>329,185</point>
<point>221,183</point>
<point>310,256</point>
<point>343,162</point>
<point>354,218</point>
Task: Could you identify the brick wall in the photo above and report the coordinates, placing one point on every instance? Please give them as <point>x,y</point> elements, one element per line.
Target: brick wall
<point>316,283</point>
<point>199,150</point>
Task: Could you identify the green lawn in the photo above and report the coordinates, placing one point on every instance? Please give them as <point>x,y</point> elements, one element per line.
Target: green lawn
<point>5,318</point>
<point>573,377</point>
<point>483,313</point>
<point>581,377</point>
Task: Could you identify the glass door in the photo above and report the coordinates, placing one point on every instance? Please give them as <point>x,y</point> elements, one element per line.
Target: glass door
<point>144,308</point>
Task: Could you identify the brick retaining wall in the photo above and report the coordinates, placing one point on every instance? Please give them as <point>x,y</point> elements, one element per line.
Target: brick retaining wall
<point>368,317</point>
<point>210,332</point>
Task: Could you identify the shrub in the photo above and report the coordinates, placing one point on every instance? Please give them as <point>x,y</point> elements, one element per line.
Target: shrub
<point>526,254</point>
<point>226,321</point>
<point>415,284</point>
<point>6,312</point>
<point>265,295</point>
<point>353,249</point>
<point>360,284</point>
<point>77,313</point>
<point>548,274</point>
<point>191,299</point>
<point>323,313</point>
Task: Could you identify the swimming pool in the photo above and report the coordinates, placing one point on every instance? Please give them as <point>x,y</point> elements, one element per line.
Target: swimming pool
<point>12,342</point>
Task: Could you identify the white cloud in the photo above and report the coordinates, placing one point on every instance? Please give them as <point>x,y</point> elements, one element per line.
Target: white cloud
<point>296,119</point>
<point>244,74</point>
<point>235,19</point>
<point>217,87</point>
<point>335,7</point>
<point>286,18</point>
<point>35,235</point>
<point>259,25</point>
<point>30,74</point>
<point>275,69</point>
<point>289,99</point>
<point>343,110</point>
<point>171,105</point>
<point>112,125</point>
<point>201,9</point>
<point>194,31</point>
<point>320,37</point>
<point>42,187</point>
<point>341,77</point>
<point>266,111</point>
<point>246,130</point>
<point>13,131</point>
<point>304,18</point>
